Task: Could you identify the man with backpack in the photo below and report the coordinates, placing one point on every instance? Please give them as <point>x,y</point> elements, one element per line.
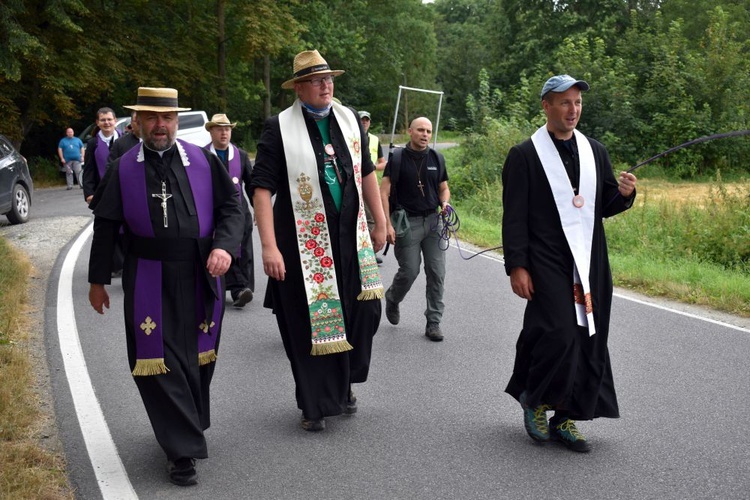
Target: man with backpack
<point>415,189</point>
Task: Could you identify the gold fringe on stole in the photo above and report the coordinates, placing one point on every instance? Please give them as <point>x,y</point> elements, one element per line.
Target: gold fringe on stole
<point>207,357</point>
<point>153,366</point>
<point>331,348</point>
<point>377,293</point>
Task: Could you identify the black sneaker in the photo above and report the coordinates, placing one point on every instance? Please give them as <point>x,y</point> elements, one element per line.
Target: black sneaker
<point>432,331</point>
<point>243,297</point>
<point>182,472</point>
<point>313,425</point>
<point>568,434</point>
<point>392,312</point>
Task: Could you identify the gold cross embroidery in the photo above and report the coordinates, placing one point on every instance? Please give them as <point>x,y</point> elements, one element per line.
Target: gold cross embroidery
<point>148,325</point>
<point>205,328</point>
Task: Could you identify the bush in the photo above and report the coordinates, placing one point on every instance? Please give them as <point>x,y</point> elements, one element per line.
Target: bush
<point>45,172</point>
<point>479,162</point>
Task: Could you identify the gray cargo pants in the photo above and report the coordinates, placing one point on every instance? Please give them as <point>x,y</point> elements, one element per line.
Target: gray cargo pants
<point>421,240</point>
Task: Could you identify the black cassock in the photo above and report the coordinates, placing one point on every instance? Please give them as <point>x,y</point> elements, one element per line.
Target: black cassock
<point>177,402</point>
<point>322,382</point>
<point>557,363</point>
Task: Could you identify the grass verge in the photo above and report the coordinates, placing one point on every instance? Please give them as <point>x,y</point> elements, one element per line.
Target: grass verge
<point>27,470</point>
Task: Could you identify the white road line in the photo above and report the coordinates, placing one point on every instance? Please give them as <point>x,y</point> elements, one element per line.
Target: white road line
<point>497,258</point>
<point>110,473</point>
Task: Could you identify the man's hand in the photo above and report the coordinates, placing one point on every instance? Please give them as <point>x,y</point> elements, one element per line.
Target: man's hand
<point>390,236</point>
<point>627,184</point>
<point>378,235</point>
<point>218,262</point>
<point>520,282</point>
<point>98,297</point>
<point>273,263</point>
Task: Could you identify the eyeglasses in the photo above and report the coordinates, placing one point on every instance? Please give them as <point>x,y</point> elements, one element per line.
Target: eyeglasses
<point>317,82</point>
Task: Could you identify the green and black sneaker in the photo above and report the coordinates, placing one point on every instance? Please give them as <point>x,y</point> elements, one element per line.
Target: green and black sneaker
<point>568,434</point>
<point>535,420</point>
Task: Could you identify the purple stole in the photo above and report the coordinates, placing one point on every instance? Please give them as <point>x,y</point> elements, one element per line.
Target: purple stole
<point>235,172</point>
<point>147,294</point>
<point>101,155</point>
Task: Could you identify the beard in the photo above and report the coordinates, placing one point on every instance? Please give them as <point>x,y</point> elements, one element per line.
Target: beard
<point>161,143</point>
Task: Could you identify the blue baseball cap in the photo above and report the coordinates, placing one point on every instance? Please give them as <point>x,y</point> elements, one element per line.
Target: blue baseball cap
<point>561,83</point>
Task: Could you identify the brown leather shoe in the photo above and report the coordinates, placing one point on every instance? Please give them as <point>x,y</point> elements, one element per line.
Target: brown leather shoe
<point>313,425</point>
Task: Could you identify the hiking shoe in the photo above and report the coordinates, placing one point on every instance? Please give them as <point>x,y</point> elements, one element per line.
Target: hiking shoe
<point>313,425</point>
<point>392,312</point>
<point>351,404</point>
<point>243,297</point>
<point>182,472</point>
<point>535,420</point>
<point>568,434</point>
<point>432,331</point>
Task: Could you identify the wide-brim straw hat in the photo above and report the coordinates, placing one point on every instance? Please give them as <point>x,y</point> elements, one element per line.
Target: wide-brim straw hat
<point>219,120</point>
<point>161,100</point>
<point>307,64</point>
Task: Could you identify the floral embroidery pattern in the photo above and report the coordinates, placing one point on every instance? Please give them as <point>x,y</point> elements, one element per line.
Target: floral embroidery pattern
<point>326,318</point>
<point>312,236</point>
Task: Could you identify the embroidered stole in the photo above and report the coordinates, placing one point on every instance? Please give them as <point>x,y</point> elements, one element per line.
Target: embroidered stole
<point>577,222</point>
<point>313,237</point>
<point>147,296</point>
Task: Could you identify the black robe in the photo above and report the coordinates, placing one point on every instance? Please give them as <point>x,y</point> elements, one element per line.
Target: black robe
<point>322,382</point>
<point>242,273</point>
<point>177,402</point>
<point>557,363</point>
<point>122,145</point>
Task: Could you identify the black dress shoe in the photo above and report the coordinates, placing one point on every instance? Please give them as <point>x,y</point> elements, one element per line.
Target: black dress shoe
<point>351,404</point>
<point>182,472</point>
<point>243,297</point>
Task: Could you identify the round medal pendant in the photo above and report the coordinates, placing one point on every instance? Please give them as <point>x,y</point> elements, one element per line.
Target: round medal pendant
<point>329,149</point>
<point>235,180</point>
<point>578,201</point>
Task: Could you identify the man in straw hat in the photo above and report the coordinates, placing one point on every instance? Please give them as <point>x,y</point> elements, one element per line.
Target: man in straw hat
<point>240,278</point>
<point>182,222</point>
<point>324,285</point>
<point>557,187</point>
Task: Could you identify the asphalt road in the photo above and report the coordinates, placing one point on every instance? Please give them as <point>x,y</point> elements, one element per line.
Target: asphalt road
<point>433,420</point>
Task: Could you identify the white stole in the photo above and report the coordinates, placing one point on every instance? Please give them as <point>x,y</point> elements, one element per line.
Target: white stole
<point>315,249</point>
<point>577,222</point>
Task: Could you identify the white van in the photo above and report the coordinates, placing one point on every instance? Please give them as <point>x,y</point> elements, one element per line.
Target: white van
<point>192,128</point>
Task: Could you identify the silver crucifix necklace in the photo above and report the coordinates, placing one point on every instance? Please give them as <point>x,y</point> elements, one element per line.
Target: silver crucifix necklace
<point>164,196</point>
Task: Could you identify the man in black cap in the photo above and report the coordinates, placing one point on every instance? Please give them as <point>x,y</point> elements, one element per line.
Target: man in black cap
<point>557,188</point>
<point>182,224</point>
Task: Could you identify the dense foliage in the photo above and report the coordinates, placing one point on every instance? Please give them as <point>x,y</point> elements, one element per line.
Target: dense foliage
<point>662,71</point>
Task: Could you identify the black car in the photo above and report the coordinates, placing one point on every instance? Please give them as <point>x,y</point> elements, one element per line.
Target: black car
<point>16,186</point>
